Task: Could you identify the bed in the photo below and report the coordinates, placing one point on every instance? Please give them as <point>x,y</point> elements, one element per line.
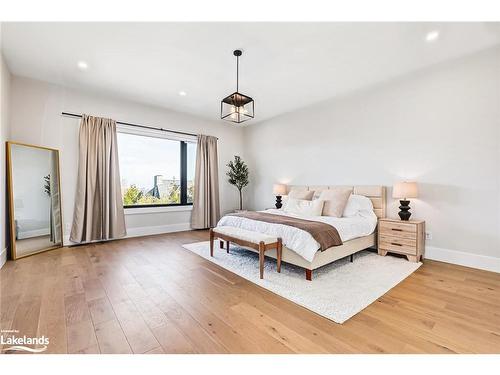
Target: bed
<point>300,249</point>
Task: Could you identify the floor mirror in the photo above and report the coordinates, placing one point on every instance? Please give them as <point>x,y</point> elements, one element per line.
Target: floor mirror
<point>34,199</point>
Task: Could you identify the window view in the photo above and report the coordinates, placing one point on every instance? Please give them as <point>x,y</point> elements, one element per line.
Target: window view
<point>152,172</point>
<point>191,163</point>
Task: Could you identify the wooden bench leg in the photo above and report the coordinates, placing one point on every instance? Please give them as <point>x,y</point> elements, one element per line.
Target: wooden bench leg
<point>221,244</point>
<point>279,253</point>
<point>211,242</point>
<point>351,258</point>
<point>308,275</point>
<point>261,258</point>
<point>227,247</point>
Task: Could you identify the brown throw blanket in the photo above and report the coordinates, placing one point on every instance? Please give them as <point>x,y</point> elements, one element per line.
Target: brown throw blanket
<point>326,235</point>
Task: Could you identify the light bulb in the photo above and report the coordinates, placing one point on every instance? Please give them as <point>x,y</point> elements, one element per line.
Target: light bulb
<point>235,111</point>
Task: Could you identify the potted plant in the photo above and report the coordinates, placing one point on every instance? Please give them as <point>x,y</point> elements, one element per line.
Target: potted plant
<point>238,175</point>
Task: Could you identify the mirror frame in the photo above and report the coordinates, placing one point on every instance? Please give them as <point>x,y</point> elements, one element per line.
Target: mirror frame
<point>13,253</point>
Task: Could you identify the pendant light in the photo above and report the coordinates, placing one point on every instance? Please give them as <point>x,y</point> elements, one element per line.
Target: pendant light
<point>237,107</point>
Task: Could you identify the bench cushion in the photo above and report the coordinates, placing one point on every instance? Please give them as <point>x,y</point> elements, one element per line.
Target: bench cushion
<point>245,235</point>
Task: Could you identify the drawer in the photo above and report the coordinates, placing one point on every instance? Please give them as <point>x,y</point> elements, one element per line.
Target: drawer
<point>397,229</point>
<point>397,240</point>
<point>397,247</point>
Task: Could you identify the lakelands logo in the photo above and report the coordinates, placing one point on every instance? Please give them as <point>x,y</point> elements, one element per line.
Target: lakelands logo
<point>24,343</point>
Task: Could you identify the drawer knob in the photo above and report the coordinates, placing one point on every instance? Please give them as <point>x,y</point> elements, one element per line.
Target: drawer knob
<point>397,230</point>
<point>396,244</point>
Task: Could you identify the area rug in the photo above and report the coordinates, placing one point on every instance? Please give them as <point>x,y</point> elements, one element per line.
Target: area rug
<point>338,291</point>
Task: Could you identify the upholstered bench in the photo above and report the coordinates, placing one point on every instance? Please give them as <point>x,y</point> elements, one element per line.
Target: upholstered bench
<point>253,240</point>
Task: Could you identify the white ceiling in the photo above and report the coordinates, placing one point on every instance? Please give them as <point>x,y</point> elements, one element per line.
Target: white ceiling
<point>284,66</point>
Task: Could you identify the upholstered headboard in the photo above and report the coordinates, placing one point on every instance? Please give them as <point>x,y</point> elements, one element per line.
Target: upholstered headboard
<point>374,192</point>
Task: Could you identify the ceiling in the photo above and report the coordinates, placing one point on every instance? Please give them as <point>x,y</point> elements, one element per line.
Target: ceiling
<point>284,66</point>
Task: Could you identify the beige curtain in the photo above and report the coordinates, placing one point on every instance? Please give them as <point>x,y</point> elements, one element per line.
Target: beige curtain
<point>98,206</point>
<point>206,210</point>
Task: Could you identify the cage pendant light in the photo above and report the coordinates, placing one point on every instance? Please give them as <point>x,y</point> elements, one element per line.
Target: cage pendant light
<point>237,107</point>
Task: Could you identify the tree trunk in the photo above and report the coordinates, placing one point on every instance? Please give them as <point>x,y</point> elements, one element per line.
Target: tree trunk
<point>241,202</point>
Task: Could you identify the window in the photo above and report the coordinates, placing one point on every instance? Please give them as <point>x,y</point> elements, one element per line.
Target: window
<point>191,162</point>
<point>155,171</point>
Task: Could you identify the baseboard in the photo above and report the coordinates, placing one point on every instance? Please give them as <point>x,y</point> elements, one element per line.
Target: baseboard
<point>482,262</point>
<point>146,231</point>
<point>3,257</point>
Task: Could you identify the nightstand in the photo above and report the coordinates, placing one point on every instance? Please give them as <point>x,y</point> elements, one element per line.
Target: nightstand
<point>402,237</point>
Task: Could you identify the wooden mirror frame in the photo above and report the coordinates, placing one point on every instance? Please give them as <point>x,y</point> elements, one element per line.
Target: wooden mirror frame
<point>13,253</point>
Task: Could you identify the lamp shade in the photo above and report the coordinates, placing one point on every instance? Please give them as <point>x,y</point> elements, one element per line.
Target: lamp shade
<point>279,189</point>
<point>405,189</point>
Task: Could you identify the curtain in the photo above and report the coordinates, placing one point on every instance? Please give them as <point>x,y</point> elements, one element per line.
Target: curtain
<point>98,211</point>
<point>206,210</point>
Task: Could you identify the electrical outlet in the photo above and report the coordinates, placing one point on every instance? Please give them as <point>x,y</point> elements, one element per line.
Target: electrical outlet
<point>428,235</point>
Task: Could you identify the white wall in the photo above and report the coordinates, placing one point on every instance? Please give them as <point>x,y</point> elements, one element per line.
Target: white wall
<point>440,127</point>
<point>36,119</point>
<point>29,167</point>
<point>5,79</point>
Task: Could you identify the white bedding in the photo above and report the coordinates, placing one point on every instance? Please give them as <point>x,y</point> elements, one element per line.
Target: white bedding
<point>301,241</point>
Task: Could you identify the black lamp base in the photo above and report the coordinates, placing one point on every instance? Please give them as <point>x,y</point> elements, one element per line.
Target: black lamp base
<point>278,202</point>
<point>405,213</point>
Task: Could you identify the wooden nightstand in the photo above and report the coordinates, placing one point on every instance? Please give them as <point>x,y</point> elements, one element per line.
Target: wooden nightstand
<point>402,237</point>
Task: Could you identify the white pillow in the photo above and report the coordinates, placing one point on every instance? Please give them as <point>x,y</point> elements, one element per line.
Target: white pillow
<point>356,204</point>
<point>304,207</point>
<point>306,195</point>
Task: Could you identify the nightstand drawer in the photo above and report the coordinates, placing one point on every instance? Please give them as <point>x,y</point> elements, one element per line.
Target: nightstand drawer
<point>396,229</point>
<point>397,240</point>
<point>397,247</point>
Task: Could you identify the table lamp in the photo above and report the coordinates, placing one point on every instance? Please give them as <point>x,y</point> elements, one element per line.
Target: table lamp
<point>278,191</point>
<point>404,190</point>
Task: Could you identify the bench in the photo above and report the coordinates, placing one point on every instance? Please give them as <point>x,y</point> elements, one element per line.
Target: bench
<point>254,240</point>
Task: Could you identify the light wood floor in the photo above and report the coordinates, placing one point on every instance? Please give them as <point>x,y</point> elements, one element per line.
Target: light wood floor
<point>149,295</point>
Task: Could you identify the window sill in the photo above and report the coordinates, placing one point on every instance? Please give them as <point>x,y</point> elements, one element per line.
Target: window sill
<point>156,210</point>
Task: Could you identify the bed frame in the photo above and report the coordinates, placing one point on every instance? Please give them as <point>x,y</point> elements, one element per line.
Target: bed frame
<point>376,194</point>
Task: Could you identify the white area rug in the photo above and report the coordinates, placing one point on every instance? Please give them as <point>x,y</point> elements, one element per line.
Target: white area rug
<point>337,291</point>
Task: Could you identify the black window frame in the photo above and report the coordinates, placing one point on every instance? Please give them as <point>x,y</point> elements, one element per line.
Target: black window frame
<point>183,179</point>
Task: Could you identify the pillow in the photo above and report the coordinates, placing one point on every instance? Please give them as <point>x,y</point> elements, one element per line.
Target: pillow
<point>317,193</point>
<point>357,203</point>
<point>304,207</point>
<point>335,201</point>
<point>301,194</point>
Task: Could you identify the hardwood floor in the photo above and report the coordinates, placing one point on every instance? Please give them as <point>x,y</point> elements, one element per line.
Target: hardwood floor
<point>149,295</point>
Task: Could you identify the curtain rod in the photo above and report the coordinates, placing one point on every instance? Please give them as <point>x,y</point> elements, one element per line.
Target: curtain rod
<point>136,125</point>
